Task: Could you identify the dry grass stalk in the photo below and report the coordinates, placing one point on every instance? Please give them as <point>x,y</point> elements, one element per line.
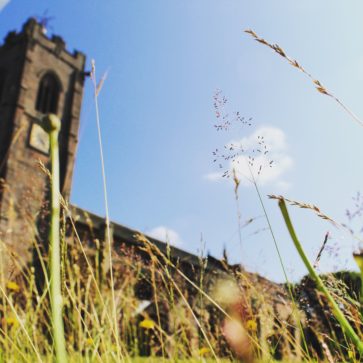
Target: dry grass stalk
<point>320,253</point>
<point>309,206</point>
<point>318,212</point>
<point>317,84</point>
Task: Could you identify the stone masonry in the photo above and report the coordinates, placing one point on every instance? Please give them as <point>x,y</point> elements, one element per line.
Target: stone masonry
<point>25,58</point>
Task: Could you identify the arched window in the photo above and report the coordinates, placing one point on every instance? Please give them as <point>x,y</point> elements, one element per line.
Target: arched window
<point>48,94</point>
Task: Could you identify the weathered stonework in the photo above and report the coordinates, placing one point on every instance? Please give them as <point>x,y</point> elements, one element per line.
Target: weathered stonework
<point>25,57</point>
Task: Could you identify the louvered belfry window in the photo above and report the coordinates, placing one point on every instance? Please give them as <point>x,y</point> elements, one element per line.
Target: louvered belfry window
<point>48,94</point>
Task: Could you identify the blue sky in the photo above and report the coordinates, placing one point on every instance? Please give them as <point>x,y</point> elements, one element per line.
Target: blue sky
<point>165,60</point>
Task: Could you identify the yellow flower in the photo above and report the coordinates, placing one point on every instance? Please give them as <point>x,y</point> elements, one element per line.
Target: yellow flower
<point>11,285</point>
<point>147,324</point>
<point>203,351</point>
<point>251,325</point>
<point>11,321</point>
<point>89,342</point>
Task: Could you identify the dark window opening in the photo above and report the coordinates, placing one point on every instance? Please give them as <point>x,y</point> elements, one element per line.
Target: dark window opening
<point>48,94</point>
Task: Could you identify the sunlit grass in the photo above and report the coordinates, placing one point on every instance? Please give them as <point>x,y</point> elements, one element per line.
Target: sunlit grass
<point>192,313</point>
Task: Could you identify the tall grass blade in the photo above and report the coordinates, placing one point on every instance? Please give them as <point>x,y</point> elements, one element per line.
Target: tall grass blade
<point>345,325</point>
<point>52,125</point>
<point>97,89</point>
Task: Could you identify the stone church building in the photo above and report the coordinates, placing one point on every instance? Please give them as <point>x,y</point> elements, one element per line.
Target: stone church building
<point>38,75</point>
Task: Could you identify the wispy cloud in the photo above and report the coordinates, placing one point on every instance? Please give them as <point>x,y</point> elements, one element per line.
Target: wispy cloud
<point>268,168</point>
<point>3,3</point>
<point>166,234</point>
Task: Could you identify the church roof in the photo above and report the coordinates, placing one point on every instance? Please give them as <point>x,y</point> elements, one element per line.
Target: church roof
<point>126,235</point>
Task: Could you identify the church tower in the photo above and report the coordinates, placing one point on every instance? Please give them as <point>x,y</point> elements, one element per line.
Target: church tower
<point>37,76</point>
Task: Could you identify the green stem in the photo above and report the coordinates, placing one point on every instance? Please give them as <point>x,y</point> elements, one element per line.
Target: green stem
<point>345,325</point>
<point>51,124</point>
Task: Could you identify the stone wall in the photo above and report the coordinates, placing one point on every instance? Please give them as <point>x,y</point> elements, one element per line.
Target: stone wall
<point>25,57</point>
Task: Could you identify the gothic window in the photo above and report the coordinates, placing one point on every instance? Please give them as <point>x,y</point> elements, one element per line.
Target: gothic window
<point>48,94</point>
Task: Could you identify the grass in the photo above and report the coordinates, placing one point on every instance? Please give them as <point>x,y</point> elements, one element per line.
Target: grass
<point>193,321</point>
<point>52,126</point>
<point>197,313</point>
<point>90,303</point>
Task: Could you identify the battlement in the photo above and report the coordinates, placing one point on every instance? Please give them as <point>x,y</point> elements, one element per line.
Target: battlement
<point>33,32</point>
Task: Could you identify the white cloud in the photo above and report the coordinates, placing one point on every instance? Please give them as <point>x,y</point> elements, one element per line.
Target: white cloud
<point>165,234</point>
<point>214,176</point>
<point>274,141</point>
<point>283,185</point>
<point>3,3</point>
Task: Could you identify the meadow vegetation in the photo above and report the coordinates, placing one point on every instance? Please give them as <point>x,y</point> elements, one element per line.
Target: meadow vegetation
<point>139,304</point>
